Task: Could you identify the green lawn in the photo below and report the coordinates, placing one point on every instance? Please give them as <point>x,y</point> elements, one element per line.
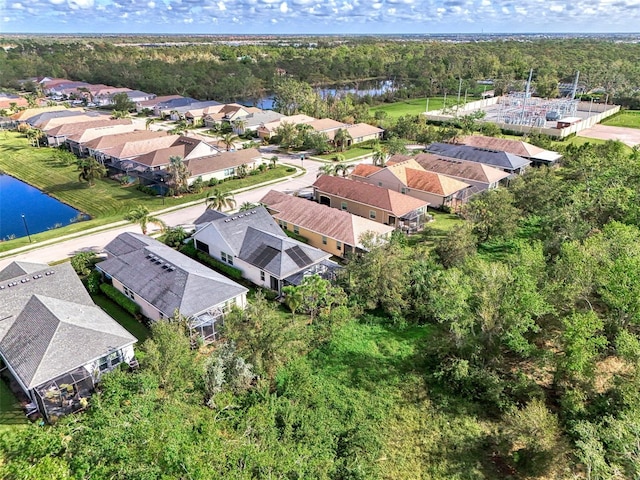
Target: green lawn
<point>415,106</point>
<point>626,118</point>
<point>106,202</point>
<point>11,414</point>
<point>441,224</point>
<point>133,326</point>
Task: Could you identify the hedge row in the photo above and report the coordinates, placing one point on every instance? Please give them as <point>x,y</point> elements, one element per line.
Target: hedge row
<point>121,299</point>
<point>220,266</point>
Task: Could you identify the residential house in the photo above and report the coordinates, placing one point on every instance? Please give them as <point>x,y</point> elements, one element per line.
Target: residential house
<point>337,232</point>
<point>363,132</point>
<point>177,112</point>
<point>184,147</point>
<point>54,340</point>
<point>268,130</point>
<point>102,95</point>
<point>253,121</point>
<point>46,121</point>
<point>58,135</point>
<point>327,126</point>
<point>510,163</point>
<point>24,115</point>
<point>114,157</point>
<point>77,141</point>
<point>252,242</point>
<point>223,165</point>
<point>480,176</point>
<point>9,100</point>
<point>229,112</point>
<point>538,156</point>
<point>99,147</point>
<point>370,201</point>
<point>151,103</point>
<point>162,281</point>
<point>162,109</point>
<point>409,178</point>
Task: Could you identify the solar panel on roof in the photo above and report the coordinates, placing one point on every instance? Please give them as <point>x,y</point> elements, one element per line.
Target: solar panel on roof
<point>298,256</point>
<point>264,256</point>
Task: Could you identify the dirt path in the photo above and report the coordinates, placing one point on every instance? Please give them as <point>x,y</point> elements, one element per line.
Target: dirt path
<point>628,136</point>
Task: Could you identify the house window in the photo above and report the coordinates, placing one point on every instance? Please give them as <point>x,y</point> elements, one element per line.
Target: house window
<point>203,247</point>
<point>324,240</point>
<point>128,293</point>
<point>343,205</point>
<point>404,190</point>
<point>296,229</point>
<point>284,225</point>
<point>372,214</point>
<point>379,184</point>
<point>109,361</point>
<point>226,258</point>
<point>261,276</point>
<point>229,172</point>
<point>338,245</point>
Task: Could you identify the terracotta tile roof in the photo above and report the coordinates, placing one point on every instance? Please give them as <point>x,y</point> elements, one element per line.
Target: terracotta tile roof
<point>367,194</point>
<point>109,141</point>
<point>321,219</point>
<point>433,182</point>
<point>214,163</point>
<point>364,170</point>
<point>517,147</point>
<point>454,167</point>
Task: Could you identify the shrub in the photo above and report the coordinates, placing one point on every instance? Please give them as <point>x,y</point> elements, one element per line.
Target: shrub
<point>291,169</point>
<point>93,281</point>
<point>213,182</point>
<point>147,190</point>
<point>122,300</point>
<point>220,266</point>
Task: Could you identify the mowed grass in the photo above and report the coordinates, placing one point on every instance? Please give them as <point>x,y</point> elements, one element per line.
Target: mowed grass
<point>442,223</point>
<point>106,202</point>
<point>380,366</point>
<point>11,414</point>
<point>132,325</point>
<point>626,118</point>
<point>415,106</point>
<point>350,154</point>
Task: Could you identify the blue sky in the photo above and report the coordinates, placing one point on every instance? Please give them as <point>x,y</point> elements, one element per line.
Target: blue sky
<point>318,16</point>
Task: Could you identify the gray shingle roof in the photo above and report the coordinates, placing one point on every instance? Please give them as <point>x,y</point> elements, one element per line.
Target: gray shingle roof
<point>209,215</point>
<point>49,325</point>
<point>494,158</point>
<point>165,278</point>
<point>15,269</point>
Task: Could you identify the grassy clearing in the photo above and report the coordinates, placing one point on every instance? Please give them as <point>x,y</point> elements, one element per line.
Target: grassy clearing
<point>626,118</point>
<point>133,326</point>
<point>106,202</point>
<point>379,366</point>
<point>11,414</point>
<point>442,223</point>
<point>415,106</point>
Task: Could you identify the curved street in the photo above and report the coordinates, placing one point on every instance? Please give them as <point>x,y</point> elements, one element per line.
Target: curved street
<point>84,241</point>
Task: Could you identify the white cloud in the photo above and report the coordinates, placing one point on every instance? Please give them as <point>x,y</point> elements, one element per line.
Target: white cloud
<point>83,4</point>
<point>284,8</point>
<point>221,6</point>
<point>17,6</point>
<point>556,8</point>
<point>151,4</point>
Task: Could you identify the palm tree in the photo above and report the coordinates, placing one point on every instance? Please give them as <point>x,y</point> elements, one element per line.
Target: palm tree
<point>149,122</point>
<point>180,128</point>
<point>179,174</point>
<point>247,206</point>
<point>342,168</point>
<point>239,126</point>
<point>326,170</point>
<point>228,139</point>
<point>119,114</point>
<point>219,200</point>
<point>341,139</point>
<point>274,161</point>
<point>90,169</point>
<point>142,217</point>
<point>380,156</point>
<point>287,134</point>
<point>33,134</point>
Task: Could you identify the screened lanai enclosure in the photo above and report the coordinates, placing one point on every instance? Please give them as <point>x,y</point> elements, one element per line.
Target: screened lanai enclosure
<point>65,394</point>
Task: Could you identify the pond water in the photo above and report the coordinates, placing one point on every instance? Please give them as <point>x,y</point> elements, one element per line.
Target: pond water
<point>41,212</point>
<point>360,89</point>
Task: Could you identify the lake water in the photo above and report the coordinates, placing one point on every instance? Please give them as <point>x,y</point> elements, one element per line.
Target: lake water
<point>40,211</point>
<point>367,87</point>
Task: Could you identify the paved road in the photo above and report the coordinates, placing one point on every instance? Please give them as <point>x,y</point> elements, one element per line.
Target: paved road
<point>97,241</point>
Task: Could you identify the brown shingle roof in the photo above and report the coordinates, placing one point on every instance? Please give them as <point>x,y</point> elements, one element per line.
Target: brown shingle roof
<point>324,220</point>
<point>162,155</point>
<point>91,122</point>
<point>136,148</point>
<point>457,168</point>
<point>517,147</point>
<point>367,194</point>
<point>364,170</point>
<point>326,124</point>
<point>363,130</point>
<point>215,163</point>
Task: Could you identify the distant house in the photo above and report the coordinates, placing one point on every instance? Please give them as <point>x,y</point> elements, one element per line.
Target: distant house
<point>252,122</point>
<point>99,147</point>
<point>508,162</point>
<point>252,242</point>
<point>46,121</point>
<point>480,176</point>
<point>335,231</point>
<point>370,201</point>
<point>184,147</point>
<point>135,147</point>
<point>162,281</point>
<point>538,156</point>
<point>223,165</point>
<point>162,109</point>
<point>7,100</point>
<point>54,340</point>
<point>268,130</point>
<point>24,115</point>
<point>150,104</point>
<point>409,178</point>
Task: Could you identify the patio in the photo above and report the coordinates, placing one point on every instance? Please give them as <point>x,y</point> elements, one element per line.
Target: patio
<point>66,394</point>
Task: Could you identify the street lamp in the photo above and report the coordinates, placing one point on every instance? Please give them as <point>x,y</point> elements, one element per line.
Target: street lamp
<point>163,189</point>
<point>24,220</point>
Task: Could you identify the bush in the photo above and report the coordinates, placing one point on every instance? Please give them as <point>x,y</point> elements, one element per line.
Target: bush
<point>122,300</point>
<point>213,182</point>
<point>220,266</point>
<point>291,169</point>
<point>147,190</point>
<point>93,281</point>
